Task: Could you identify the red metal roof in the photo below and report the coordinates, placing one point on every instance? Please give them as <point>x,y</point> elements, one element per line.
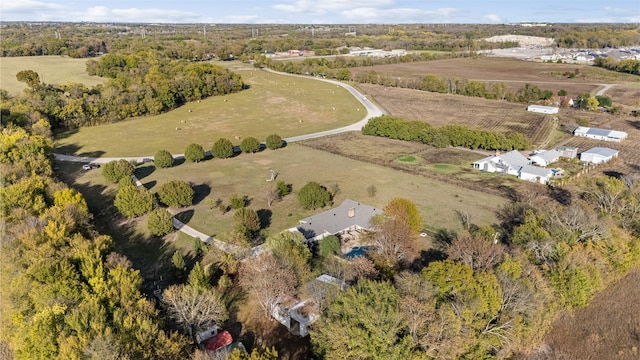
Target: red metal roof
<point>219,340</point>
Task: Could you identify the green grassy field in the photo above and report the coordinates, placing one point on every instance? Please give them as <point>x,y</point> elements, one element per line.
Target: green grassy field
<point>297,165</point>
<point>52,70</point>
<point>274,104</point>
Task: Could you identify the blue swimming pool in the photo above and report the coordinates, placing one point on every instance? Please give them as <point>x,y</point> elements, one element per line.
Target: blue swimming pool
<point>357,251</point>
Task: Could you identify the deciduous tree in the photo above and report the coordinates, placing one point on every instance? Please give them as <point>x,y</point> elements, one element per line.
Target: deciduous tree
<point>313,196</point>
<point>193,308</point>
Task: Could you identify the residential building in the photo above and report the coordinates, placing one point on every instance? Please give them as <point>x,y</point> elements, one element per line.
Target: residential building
<point>349,216</point>
<point>598,155</point>
<point>535,174</point>
<point>508,163</point>
<point>546,157</point>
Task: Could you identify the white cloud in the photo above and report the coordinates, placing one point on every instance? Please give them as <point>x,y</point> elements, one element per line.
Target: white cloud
<point>326,6</point>
<point>22,6</point>
<point>492,18</point>
<point>398,15</point>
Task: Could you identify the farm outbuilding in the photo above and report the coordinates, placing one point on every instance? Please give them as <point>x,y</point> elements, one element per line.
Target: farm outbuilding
<point>600,134</point>
<point>543,109</point>
<point>569,152</point>
<point>598,155</point>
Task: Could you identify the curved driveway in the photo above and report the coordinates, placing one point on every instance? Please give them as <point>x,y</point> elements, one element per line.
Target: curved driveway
<point>372,111</point>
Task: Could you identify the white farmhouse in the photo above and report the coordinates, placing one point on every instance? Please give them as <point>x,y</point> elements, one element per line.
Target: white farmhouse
<point>598,155</point>
<point>508,163</point>
<point>545,158</point>
<point>543,109</point>
<point>535,174</point>
<point>600,134</point>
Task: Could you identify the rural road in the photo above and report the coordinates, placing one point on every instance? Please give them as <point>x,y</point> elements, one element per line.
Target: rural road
<point>372,111</point>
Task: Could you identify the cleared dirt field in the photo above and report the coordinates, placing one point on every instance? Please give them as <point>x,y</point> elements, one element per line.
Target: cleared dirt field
<point>477,113</point>
<point>609,328</point>
<point>627,94</point>
<point>52,70</point>
<point>548,76</point>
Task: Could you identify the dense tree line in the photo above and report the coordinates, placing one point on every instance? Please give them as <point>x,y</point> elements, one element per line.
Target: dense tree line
<point>628,66</point>
<point>141,84</point>
<point>448,135</point>
<point>66,293</point>
<point>498,288</point>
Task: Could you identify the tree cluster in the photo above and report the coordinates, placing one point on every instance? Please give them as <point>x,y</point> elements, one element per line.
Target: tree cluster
<point>448,135</point>
<point>66,293</point>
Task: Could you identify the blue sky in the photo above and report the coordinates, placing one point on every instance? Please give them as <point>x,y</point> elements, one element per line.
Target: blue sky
<point>324,11</point>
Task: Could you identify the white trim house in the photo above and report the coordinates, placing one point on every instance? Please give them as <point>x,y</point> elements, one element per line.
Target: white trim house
<point>508,163</point>
<point>600,134</point>
<point>598,155</point>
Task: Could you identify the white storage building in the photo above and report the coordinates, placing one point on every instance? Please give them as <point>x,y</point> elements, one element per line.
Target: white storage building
<point>598,155</point>
<point>600,134</point>
<point>543,109</point>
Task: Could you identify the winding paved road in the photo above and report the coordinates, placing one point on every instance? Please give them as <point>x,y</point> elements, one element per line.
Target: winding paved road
<point>372,111</point>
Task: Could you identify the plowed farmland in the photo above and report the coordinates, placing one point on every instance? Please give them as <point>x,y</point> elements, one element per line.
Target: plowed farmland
<point>477,113</point>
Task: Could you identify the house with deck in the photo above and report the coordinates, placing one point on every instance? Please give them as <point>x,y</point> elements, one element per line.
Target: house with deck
<point>535,174</point>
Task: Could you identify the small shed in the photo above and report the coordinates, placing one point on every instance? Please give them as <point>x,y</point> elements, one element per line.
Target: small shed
<point>598,155</point>
<point>534,174</point>
<point>569,152</point>
<point>218,341</point>
<point>543,109</point>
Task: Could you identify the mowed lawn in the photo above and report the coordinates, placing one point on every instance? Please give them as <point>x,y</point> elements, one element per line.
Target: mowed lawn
<point>52,70</point>
<point>280,104</point>
<point>246,174</point>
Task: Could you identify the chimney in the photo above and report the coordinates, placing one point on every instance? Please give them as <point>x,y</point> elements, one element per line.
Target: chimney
<point>352,212</point>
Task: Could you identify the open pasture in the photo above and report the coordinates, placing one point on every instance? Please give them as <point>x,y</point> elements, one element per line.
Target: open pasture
<point>274,103</point>
<point>451,165</point>
<point>52,70</point>
<point>246,174</point>
<point>476,113</point>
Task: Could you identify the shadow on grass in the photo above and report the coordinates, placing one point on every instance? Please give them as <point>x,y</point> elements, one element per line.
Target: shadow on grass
<point>144,171</point>
<point>426,257</point>
<point>200,192</point>
<point>185,216</point>
<point>265,218</point>
<point>150,255</point>
<point>75,150</point>
<point>178,161</point>
<point>149,185</point>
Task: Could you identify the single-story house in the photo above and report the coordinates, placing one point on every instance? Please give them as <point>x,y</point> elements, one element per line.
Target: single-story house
<point>569,152</point>
<point>546,157</point>
<point>535,174</point>
<point>543,109</point>
<point>598,155</point>
<point>350,215</point>
<point>600,134</point>
<point>508,163</point>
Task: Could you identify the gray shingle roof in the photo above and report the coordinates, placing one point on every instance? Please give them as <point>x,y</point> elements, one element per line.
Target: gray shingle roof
<point>337,219</point>
<point>606,152</point>
<point>535,170</point>
<point>514,159</point>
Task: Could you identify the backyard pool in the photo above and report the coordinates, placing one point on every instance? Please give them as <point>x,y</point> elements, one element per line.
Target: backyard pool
<point>358,251</point>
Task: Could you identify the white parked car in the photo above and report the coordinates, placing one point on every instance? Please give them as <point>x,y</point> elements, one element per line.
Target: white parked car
<point>86,167</point>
